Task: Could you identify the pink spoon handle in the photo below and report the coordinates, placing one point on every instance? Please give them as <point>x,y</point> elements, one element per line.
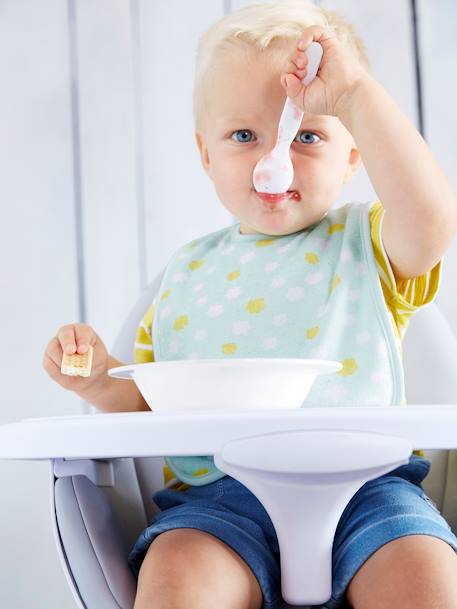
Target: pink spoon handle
<point>274,172</point>
<point>314,53</point>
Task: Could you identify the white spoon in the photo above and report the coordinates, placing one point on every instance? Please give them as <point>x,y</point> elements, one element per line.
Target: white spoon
<point>274,172</point>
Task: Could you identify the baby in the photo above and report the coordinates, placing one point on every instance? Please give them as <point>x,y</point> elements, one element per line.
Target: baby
<point>293,278</point>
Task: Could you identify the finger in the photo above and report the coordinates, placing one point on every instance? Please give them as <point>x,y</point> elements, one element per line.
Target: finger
<point>50,365</point>
<point>85,336</point>
<point>300,59</point>
<point>300,73</point>
<point>66,337</point>
<point>314,33</point>
<point>53,365</point>
<point>292,84</point>
<point>53,352</point>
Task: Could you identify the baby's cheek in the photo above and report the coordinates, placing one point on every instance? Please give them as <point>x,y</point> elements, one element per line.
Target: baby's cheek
<point>233,174</point>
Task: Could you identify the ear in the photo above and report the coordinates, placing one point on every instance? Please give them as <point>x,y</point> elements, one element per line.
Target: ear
<point>354,162</point>
<point>203,150</point>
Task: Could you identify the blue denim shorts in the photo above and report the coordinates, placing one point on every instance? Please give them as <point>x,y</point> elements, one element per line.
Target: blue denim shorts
<point>389,507</point>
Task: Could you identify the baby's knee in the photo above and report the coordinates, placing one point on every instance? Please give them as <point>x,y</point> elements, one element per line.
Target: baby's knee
<point>414,571</point>
<point>189,568</point>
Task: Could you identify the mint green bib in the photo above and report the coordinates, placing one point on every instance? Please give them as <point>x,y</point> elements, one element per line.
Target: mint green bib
<point>313,294</point>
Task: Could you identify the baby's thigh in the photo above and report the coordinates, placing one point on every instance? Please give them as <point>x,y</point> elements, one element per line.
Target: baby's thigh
<point>188,568</point>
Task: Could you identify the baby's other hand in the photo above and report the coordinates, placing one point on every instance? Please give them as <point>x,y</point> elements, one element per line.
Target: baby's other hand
<point>76,339</point>
<point>339,72</point>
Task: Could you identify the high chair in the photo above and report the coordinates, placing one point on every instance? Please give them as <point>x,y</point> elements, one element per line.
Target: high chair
<point>102,478</point>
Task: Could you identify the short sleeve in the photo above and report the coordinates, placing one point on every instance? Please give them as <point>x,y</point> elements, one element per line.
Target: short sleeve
<point>403,297</point>
<point>143,351</point>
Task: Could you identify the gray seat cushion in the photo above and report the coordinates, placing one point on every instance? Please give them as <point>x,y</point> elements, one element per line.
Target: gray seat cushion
<point>94,548</point>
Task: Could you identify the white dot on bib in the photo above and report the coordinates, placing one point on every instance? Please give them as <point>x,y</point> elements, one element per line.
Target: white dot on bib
<point>277,282</point>
<point>363,337</point>
<point>233,293</point>
<point>247,257</point>
<point>313,278</point>
<point>164,312</point>
<point>321,310</point>
<point>280,320</point>
<point>240,327</point>
<point>228,250</point>
<point>179,278</point>
<point>271,266</point>
<point>215,310</point>
<point>361,269</point>
<point>320,352</point>
<point>294,294</point>
<point>322,243</point>
<point>270,342</point>
<point>284,248</point>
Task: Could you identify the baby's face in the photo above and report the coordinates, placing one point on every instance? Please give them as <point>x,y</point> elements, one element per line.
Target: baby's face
<point>241,126</point>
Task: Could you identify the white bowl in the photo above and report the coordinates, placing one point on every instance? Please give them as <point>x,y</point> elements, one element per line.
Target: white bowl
<point>238,384</point>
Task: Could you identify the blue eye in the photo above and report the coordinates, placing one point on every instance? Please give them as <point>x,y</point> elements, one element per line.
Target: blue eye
<point>307,139</point>
<point>245,135</point>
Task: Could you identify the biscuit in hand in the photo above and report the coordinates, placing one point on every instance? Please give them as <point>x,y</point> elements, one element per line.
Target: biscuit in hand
<point>77,364</point>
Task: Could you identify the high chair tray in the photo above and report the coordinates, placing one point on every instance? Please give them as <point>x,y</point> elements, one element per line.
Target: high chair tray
<point>197,432</point>
<point>303,465</point>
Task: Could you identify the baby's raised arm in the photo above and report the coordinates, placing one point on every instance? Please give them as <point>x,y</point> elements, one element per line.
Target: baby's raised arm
<point>106,393</point>
<point>405,175</point>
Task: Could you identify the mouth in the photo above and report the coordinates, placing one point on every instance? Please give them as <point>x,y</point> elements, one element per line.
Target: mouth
<point>277,198</point>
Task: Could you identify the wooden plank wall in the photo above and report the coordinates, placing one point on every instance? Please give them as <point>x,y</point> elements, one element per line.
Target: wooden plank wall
<point>38,278</point>
<point>101,182</point>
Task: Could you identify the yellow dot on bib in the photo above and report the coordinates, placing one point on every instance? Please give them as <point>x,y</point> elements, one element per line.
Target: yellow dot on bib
<point>264,242</point>
<point>349,367</point>
<point>181,322</point>
<point>166,294</point>
<point>201,472</point>
<point>229,348</point>
<point>311,258</point>
<point>195,264</point>
<point>334,228</point>
<point>255,306</point>
<point>312,332</point>
<point>233,275</point>
<point>335,282</point>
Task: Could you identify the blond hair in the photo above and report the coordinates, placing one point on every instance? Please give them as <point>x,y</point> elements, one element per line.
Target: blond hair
<point>258,26</point>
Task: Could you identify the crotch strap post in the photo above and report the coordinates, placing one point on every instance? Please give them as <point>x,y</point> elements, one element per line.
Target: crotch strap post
<point>305,479</point>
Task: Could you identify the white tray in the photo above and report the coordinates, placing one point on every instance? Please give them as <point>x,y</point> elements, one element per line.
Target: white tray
<point>202,432</point>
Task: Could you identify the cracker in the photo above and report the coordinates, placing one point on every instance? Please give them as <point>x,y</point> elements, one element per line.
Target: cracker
<point>77,364</point>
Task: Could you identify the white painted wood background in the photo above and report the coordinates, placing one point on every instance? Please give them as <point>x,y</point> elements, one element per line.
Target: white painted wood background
<point>95,119</point>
